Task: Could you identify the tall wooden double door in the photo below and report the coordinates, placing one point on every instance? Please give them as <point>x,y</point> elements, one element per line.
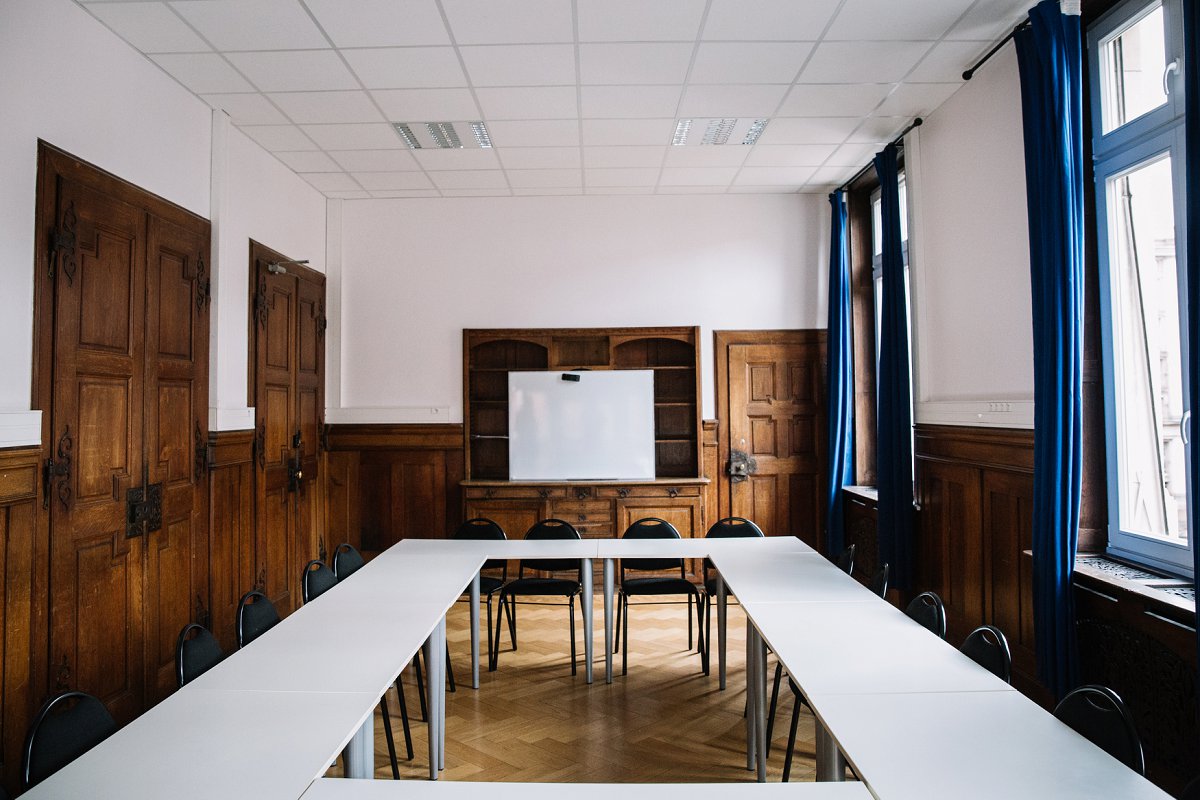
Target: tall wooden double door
<point>121,349</point>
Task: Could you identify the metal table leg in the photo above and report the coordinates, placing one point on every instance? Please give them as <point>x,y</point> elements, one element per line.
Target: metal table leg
<point>831,765</point>
<point>751,694</point>
<point>360,752</point>
<point>475,631</point>
<point>431,656</point>
<point>760,699</point>
<point>588,609</point>
<point>441,692</point>
<point>608,619</point>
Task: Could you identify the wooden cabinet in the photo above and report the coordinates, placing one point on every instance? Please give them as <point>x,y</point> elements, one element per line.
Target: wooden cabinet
<point>673,354</point>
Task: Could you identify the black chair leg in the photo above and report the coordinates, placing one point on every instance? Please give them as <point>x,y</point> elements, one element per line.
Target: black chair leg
<point>574,667</point>
<point>404,716</point>
<point>387,732</point>
<point>620,606</point>
<point>512,622</point>
<point>450,669</point>
<point>489,632</point>
<point>774,703</point>
<point>791,745</point>
<point>421,687</point>
<point>690,642</point>
<point>495,651</point>
<point>707,633</point>
<point>624,622</point>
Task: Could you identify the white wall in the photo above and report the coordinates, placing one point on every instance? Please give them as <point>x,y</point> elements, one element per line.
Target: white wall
<point>416,272</point>
<point>970,256</point>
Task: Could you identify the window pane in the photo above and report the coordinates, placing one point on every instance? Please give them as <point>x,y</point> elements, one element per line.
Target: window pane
<point>1132,65</point>
<point>876,227</point>
<point>1151,463</point>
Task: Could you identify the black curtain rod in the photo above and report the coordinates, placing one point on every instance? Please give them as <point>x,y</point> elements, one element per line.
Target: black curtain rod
<point>899,140</point>
<point>970,73</point>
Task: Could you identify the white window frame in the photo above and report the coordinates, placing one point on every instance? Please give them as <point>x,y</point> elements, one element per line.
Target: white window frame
<point>1139,141</point>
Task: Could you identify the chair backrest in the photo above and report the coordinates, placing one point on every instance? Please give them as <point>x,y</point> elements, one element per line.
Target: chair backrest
<point>1191,791</point>
<point>987,647</point>
<point>255,616</point>
<point>316,579</point>
<point>732,528</point>
<point>196,652</point>
<point>879,581</point>
<point>1097,713</point>
<point>651,528</point>
<point>482,528</point>
<point>552,529</point>
<point>845,561</point>
<point>346,561</point>
<point>68,725</point>
<point>927,609</point>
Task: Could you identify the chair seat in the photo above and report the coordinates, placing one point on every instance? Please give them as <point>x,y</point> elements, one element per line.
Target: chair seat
<point>543,586</point>
<point>648,586</point>
<point>489,584</point>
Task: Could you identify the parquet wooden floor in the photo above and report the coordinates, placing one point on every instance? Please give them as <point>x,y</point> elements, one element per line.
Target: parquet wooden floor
<point>532,721</point>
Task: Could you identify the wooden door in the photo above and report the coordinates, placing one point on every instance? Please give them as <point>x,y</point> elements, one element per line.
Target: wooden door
<point>773,414</point>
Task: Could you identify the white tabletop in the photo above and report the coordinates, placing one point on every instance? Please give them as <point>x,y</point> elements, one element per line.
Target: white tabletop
<point>866,648</point>
<point>229,745</point>
<point>401,577</point>
<point>698,548</point>
<point>978,745</point>
<point>338,789</point>
<point>787,577</point>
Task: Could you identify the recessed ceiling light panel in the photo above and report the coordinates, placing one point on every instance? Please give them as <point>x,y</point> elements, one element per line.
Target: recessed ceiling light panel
<point>443,135</point>
<point>718,130</point>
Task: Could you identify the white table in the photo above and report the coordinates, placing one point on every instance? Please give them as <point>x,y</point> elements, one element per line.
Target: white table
<point>338,789</point>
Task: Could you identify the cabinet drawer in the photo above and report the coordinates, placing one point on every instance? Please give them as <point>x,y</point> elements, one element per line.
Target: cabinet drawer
<point>586,511</point>
<point>514,492</point>
<point>664,490</point>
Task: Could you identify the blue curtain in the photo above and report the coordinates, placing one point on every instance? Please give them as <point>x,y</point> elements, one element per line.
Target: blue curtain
<point>1048,54</point>
<point>841,376</point>
<point>1191,88</point>
<point>894,477</point>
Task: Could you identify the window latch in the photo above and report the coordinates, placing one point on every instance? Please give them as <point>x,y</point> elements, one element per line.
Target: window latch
<point>1185,426</point>
<point>1173,67</point>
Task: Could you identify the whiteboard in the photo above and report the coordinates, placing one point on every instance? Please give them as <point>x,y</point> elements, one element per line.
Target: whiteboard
<point>600,427</point>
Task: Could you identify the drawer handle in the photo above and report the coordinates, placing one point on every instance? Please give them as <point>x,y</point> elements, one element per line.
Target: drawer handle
<point>582,493</point>
<point>672,491</point>
<point>543,493</point>
<point>622,493</point>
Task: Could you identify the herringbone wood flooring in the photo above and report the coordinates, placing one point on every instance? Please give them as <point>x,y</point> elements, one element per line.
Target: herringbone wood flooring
<point>532,721</point>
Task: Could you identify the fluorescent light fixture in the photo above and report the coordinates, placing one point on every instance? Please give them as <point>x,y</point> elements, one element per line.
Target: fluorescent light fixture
<point>407,135</point>
<point>443,135</point>
<point>681,132</point>
<point>718,131</point>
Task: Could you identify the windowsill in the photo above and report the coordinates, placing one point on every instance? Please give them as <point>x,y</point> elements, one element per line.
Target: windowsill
<point>865,492</point>
<point>1178,594</point>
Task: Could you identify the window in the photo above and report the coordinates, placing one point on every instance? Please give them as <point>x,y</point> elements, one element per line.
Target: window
<point>1137,114</point>
<point>877,281</point>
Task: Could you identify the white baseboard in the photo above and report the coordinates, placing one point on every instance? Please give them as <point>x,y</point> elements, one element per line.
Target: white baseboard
<point>379,415</point>
<point>231,419</point>
<point>20,428</point>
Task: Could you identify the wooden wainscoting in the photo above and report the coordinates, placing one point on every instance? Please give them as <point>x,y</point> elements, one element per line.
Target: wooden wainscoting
<point>231,541</point>
<point>710,464</point>
<point>975,491</point>
<point>22,616</point>
<point>385,483</point>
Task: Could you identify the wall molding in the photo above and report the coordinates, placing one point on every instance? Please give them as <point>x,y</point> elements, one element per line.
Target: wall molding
<point>1009,449</point>
<point>20,428</point>
<point>395,436</point>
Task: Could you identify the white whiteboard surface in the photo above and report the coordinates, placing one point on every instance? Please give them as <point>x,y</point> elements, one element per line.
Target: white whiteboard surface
<point>600,427</point>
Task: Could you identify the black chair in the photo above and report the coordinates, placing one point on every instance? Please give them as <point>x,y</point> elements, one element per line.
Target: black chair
<point>727,528</point>
<point>987,647</point>
<point>61,732</point>
<point>653,586</point>
<point>542,587</point>
<point>346,561</point>
<point>196,652</point>
<point>255,616</point>
<point>879,581</point>
<point>1191,791</point>
<point>1097,713</point>
<point>927,610</point>
<point>845,561</point>
<point>482,529</point>
<point>316,579</point>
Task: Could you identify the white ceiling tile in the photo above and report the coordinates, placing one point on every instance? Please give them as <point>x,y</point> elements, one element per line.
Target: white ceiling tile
<point>246,109</point>
<point>879,129</point>
<point>427,105</point>
<point>629,101</point>
<point>460,159</point>
<point>374,160</point>
<point>539,157</point>
<point>252,24</point>
<point>203,73</point>
<point>380,23</point>
<point>295,70</point>
<point>862,62</point>
<point>789,155</point>
<point>496,192</point>
<point>359,136</point>
<point>697,176</point>
<point>629,156</point>
<point>309,161</point>
<point>535,133</point>
<point>396,194</point>
<point>332,181</point>
<point>528,102</point>
<point>407,67</point>
<point>510,21</point>
<point>150,27</point>
<point>833,175</point>
<point>749,62</point>
<point>916,99</point>
<point>684,189</point>
<point>749,100</point>
<point>349,195</point>
<point>277,138</point>
<point>627,131</point>
<point>330,107</point>
<point>621,177</point>
<point>833,100</point>
<point>768,19</point>
<point>391,181</point>
<point>887,19</point>
<point>521,65</point>
<point>782,189</point>
<point>853,155</point>
<point>634,63</point>
<point>638,20</point>
<point>774,176</point>
<point>543,178</point>
<point>560,191</point>
<point>947,61</point>
<point>809,130</point>
<point>470,179</point>
<point>708,156</point>
<point>989,20</point>
<point>619,190</point>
